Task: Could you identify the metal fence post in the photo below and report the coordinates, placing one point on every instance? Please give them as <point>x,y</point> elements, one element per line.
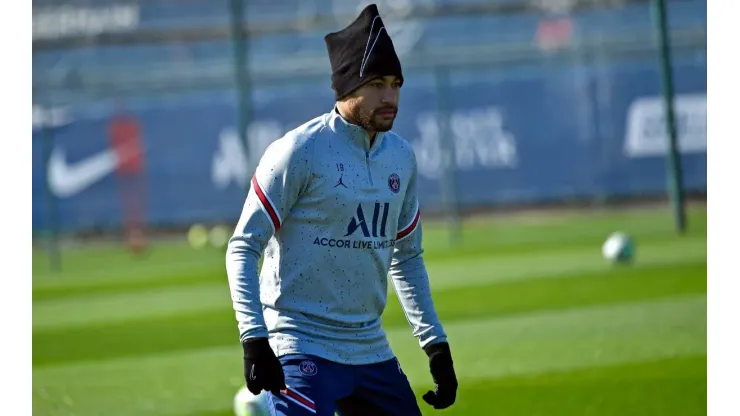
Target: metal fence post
<point>675,174</point>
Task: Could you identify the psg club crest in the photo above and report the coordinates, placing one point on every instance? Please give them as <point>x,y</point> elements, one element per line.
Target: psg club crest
<point>394,183</point>
<point>308,368</point>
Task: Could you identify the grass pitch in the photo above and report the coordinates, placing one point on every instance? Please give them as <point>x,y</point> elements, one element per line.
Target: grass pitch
<point>539,323</point>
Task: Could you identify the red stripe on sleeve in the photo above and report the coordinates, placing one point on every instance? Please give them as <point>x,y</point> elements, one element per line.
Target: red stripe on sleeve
<point>406,231</point>
<point>266,204</point>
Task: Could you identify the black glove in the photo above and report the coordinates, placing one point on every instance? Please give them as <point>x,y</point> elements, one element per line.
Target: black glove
<point>262,369</point>
<point>443,374</point>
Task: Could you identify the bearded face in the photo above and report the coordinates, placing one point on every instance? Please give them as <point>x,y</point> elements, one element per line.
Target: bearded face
<point>374,105</point>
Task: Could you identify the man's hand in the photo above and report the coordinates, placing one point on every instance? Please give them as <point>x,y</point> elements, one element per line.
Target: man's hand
<point>262,369</point>
<point>443,374</point>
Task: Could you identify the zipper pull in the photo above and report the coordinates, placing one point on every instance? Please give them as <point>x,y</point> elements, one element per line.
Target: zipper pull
<point>367,164</point>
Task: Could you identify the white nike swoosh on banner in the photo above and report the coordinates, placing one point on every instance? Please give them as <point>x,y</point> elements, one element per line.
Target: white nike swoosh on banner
<point>69,180</point>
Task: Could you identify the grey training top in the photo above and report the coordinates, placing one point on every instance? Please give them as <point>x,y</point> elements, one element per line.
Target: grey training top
<point>334,217</point>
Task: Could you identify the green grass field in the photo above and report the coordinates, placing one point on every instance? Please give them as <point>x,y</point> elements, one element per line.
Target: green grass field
<point>539,323</point>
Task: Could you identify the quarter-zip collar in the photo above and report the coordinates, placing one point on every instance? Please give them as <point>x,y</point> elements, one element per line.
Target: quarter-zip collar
<point>354,133</point>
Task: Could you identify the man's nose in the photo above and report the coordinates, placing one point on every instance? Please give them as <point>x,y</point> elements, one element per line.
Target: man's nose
<point>389,96</point>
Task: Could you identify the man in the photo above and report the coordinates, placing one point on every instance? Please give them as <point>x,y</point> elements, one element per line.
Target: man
<point>333,205</point>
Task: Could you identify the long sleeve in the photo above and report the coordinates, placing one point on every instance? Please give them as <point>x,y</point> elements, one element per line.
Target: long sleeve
<point>409,274</point>
<point>275,187</point>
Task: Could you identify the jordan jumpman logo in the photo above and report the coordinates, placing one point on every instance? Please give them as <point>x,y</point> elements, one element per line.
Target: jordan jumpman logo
<point>340,182</point>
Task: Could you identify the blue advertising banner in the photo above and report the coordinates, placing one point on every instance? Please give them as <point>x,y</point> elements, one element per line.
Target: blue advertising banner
<point>518,135</point>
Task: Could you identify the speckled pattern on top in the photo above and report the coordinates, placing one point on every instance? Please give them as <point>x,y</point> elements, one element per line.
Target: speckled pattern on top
<point>334,217</point>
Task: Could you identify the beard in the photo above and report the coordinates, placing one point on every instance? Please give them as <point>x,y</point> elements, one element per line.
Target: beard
<point>372,120</point>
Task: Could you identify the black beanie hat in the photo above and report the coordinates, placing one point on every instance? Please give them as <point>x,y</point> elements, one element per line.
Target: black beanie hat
<point>361,52</point>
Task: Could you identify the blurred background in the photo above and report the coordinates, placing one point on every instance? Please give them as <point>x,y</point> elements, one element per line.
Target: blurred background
<point>540,128</point>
